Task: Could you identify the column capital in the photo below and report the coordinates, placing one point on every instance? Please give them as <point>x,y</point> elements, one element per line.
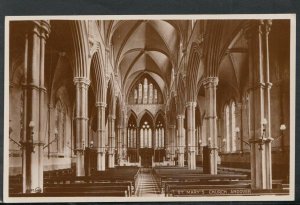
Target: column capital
<point>101,104</point>
<point>172,126</point>
<point>180,117</point>
<point>260,85</point>
<point>210,82</point>
<point>81,81</point>
<point>50,105</point>
<point>41,28</point>
<point>191,104</point>
<point>268,24</point>
<point>268,85</point>
<point>111,117</point>
<point>238,105</point>
<point>258,27</point>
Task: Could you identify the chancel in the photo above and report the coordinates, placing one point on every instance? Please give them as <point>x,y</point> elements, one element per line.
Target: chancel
<point>149,108</point>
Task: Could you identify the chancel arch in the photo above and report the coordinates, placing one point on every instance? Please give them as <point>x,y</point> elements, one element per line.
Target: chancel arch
<point>145,139</point>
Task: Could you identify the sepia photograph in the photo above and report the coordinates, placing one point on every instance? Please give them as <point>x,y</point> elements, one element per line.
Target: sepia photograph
<point>149,108</point>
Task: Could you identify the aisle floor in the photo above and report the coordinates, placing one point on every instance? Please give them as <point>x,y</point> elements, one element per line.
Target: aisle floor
<point>147,185</point>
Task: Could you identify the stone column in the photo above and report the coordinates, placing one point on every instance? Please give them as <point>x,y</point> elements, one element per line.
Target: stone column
<point>210,85</point>
<point>125,137</point>
<point>259,96</point>
<point>81,120</point>
<point>172,132</point>
<point>119,142</point>
<point>34,103</point>
<point>180,123</point>
<point>111,141</point>
<point>124,146</point>
<point>239,124</point>
<point>191,135</point>
<point>101,136</point>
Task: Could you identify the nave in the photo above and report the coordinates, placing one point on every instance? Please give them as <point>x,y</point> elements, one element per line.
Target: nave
<point>135,104</point>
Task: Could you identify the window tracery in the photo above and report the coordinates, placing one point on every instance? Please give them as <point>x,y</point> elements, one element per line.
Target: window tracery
<point>230,127</point>
<point>60,123</point>
<point>146,136</point>
<point>145,92</point>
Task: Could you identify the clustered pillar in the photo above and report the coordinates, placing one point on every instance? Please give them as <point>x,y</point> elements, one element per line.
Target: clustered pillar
<point>191,135</point>
<point>172,132</point>
<point>81,119</point>
<point>119,142</point>
<point>125,138</point>
<point>210,85</point>
<point>181,141</point>
<point>101,136</point>
<point>34,115</point>
<point>259,95</point>
<point>111,141</point>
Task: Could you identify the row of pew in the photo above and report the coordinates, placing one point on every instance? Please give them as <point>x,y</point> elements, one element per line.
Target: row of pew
<point>180,181</point>
<point>119,181</point>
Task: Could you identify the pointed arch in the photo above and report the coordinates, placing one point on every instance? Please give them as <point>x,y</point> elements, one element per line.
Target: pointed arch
<point>131,114</point>
<point>111,96</point>
<point>132,119</point>
<point>142,114</point>
<point>172,109</point>
<point>119,112</point>
<point>158,114</point>
<point>212,47</point>
<point>180,98</point>
<point>192,72</point>
<point>98,78</point>
<point>80,49</point>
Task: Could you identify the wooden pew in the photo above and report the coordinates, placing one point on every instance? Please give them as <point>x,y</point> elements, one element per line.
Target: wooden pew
<point>15,184</point>
<point>200,178</point>
<point>115,175</point>
<point>111,179</point>
<point>59,172</point>
<point>98,193</point>
<point>87,189</point>
<point>99,186</point>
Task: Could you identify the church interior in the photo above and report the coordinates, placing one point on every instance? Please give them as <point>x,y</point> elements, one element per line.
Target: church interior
<point>149,107</point>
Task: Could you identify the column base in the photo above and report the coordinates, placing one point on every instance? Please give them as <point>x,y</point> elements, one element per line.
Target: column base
<point>36,180</point>
<point>213,161</point>
<point>80,163</point>
<point>111,160</point>
<point>180,159</point>
<point>100,161</point>
<point>192,160</point>
<point>261,165</point>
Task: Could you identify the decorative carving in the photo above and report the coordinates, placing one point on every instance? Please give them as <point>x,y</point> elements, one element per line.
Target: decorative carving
<point>153,108</point>
<point>81,81</point>
<point>210,82</point>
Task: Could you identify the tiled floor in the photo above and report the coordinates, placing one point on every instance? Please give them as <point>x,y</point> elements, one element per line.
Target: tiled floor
<point>147,186</point>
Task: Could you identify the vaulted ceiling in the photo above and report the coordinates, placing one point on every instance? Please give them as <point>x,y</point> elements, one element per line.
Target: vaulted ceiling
<point>162,48</point>
<point>145,46</point>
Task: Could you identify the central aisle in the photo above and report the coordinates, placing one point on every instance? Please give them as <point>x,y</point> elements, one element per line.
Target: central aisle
<point>147,185</point>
